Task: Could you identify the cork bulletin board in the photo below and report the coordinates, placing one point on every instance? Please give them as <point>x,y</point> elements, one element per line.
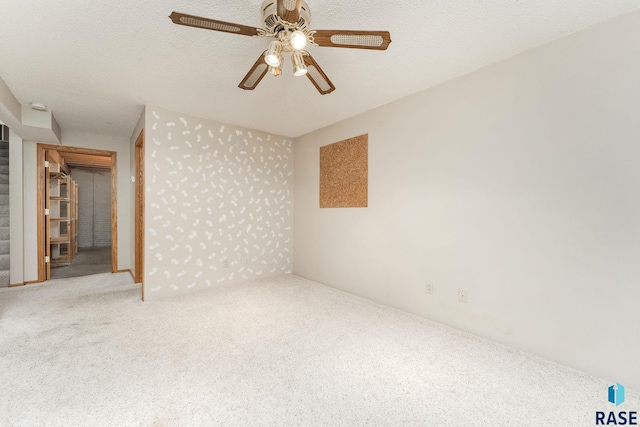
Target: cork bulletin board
<point>344,173</point>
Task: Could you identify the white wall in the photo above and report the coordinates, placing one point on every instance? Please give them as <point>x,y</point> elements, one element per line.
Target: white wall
<point>218,204</point>
<point>520,183</point>
<point>15,213</point>
<point>30,222</point>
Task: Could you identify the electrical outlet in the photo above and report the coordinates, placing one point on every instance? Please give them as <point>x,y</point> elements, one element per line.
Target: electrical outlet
<point>463,296</point>
<point>428,288</point>
<point>225,263</point>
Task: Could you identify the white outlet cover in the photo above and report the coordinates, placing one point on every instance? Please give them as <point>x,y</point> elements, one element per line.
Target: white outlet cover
<point>463,295</point>
<point>428,288</point>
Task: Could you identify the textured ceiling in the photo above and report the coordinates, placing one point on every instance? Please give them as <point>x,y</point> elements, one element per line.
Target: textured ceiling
<point>95,64</point>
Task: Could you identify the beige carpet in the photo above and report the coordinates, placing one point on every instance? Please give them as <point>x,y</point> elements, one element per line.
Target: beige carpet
<point>287,351</point>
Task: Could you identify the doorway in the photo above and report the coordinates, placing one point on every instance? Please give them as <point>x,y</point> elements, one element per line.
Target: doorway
<point>77,230</point>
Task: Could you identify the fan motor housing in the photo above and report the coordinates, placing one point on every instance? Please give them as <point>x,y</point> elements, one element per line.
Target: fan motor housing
<point>274,24</point>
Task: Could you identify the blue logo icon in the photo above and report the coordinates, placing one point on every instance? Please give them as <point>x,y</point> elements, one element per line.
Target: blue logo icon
<point>616,394</point>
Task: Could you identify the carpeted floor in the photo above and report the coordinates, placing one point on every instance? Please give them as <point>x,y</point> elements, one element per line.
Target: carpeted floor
<point>287,351</point>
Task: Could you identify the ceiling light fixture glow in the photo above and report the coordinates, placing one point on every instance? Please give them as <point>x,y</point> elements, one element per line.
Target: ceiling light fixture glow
<point>273,57</point>
<point>299,67</point>
<point>298,40</point>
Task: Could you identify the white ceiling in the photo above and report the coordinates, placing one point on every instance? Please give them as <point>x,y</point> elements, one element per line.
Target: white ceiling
<point>95,64</point>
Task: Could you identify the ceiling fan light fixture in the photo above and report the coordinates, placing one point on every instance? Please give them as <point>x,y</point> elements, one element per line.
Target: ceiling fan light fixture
<point>298,40</point>
<point>276,71</point>
<point>288,22</point>
<point>299,67</point>
<point>273,57</point>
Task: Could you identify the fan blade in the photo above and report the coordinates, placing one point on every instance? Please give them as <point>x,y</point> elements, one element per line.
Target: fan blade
<point>255,74</point>
<point>317,76</point>
<point>289,10</point>
<point>212,24</point>
<point>378,40</point>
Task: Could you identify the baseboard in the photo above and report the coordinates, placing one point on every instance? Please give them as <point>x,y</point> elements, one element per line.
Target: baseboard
<point>17,285</point>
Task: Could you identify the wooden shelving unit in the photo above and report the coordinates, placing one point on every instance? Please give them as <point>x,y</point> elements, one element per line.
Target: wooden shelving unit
<point>74,217</point>
<point>62,205</point>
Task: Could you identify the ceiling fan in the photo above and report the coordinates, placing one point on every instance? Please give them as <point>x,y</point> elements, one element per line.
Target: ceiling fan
<point>288,22</point>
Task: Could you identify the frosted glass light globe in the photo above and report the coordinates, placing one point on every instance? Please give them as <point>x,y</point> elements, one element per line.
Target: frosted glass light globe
<point>298,40</point>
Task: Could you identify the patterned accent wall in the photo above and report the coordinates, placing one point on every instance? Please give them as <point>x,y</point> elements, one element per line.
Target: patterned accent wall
<point>218,205</point>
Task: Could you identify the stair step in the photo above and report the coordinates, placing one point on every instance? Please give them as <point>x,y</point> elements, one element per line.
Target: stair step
<point>4,233</point>
<point>4,209</point>
<point>4,247</point>
<point>5,262</point>
<point>4,199</point>
<point>4,178</point>
<point>4,169</point>
<point>4,188</point>
<point>4,221</point>
<point>4,279</point>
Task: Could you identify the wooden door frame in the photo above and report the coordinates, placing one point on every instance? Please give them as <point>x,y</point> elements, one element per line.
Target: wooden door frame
<point>139,211</point>
<point>41,148</point>
<point>47,220</point>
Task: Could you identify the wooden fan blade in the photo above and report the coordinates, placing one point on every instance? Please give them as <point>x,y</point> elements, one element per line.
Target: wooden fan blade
<point>289,10</point>
<point>378,40</point>
<point>255,74</point>
<point>212,24</point>
<point>317,76</point>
